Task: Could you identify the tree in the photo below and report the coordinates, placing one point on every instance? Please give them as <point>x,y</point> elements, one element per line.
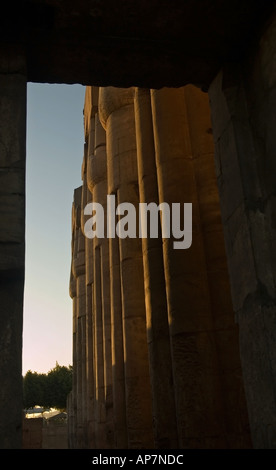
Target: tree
<point>33,389</point>
<point>48,390</point>
<point>59,382</point>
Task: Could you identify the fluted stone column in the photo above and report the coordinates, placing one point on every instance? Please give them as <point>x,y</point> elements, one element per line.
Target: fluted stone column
<point>114,369</point>
<point>100,415</point>
<point>70,420</point>
<point>118,370</point>
<point>97,183</point>
<point>164,416</point>
<point>73,295</point>
<point>89,118</point>
<point>79,274</point>
<point>88,306</point>
<point>117,116</point>
<point>12,241</point>
<point>89,367</point>
<point>199,355</point>
<point>226,330</point>
<point>99,170</point>
<point>73,401</point>
<point>81,336</point>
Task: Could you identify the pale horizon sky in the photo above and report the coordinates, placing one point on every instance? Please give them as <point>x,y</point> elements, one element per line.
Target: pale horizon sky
<point>55,139</point>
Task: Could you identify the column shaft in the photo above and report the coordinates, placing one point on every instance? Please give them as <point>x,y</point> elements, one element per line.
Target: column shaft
<point>78,269</point>
<point>90,373</point>
<point>97,183</point>
<point>117,116</point>
<point>120,428</point>
<point>194,355</point>
<point>164,418</point>
<point>225,330</point>
<point>100,415</point>
<point>73,293</point>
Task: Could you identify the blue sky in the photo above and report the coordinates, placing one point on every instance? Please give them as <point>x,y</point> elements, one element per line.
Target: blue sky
<point>55,139</point>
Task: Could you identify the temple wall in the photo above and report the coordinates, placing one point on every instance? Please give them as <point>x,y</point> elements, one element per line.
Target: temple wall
<point>243,104</point>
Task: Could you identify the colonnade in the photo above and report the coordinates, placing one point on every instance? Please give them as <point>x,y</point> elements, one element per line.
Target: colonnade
<point>155,345</point>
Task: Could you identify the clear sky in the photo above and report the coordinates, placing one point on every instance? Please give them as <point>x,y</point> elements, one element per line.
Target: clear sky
<point>55,138</point>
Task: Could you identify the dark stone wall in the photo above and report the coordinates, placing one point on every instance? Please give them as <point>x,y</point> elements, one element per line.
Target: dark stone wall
<point>243,103</point>
<point>12,244</point>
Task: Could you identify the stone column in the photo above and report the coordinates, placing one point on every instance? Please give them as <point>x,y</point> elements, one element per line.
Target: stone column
<point>118,371</point>
<point>12,238</point>
<point>164,417</point>
<point>89,367</point>
<point>226,330</point>
<point>79,274</point>
<point>89,118</point>
<point>200,321</point>
<point>93,277</point>
<point>73,400</point>
<point>243,114</point>
<point>88,300</point>
<point>99,170</point>
<point>97,183</point>
<point>70,420</point>
<point>117,116</point>
<point>100,416</point>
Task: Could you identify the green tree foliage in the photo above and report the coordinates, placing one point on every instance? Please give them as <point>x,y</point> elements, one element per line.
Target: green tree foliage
<point>48,390</point>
